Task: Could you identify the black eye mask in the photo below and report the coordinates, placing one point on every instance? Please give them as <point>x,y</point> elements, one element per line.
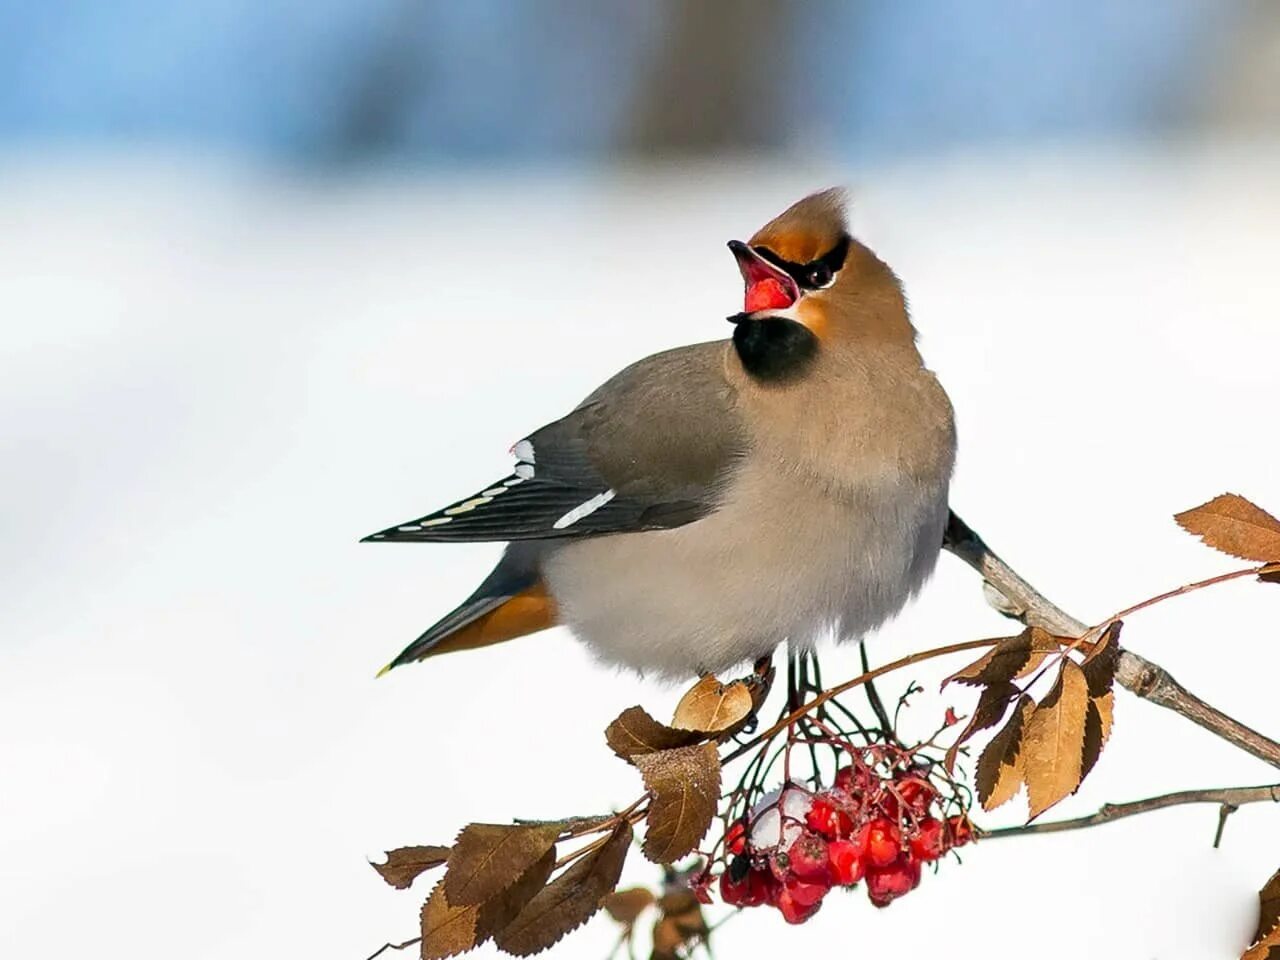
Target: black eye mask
<point>815,274</point>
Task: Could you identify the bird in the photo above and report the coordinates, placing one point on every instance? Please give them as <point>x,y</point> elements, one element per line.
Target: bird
<point>710,502</point>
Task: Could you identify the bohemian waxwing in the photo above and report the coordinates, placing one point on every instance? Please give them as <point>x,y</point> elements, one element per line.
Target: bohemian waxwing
<point>709,502</point>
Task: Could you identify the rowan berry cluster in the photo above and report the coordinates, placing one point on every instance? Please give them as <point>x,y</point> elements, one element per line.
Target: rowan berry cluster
<point>879,828</point>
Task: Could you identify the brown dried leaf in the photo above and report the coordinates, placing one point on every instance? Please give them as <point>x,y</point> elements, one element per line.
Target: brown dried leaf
<point>1053,741</point>
<point>710,706</point>
<point>405,863</point>
<point>667,939</point>
<point>497,913</point>
<point>1269,907</point>
<point>635,733</point>
<point>1100,665</point>
<point>625,906</point>
<point>1009,659</point>
<point>1234,525</point>
<point>999,771</point>
<point>680,925</point>
<point>489,857</point>
<point>1268,948</point>
<point>569,900</point>
<point>681,906</point>
<point>1097,729</point>
<point>446,930</point>
<point>686,786</point>
<point>991,708</point>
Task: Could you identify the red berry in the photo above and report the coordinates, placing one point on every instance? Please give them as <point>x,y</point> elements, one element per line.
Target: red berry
<point>766,294</point>
<point>886,884</point>
<point>852,780</point>
<point>883,842</point>
<point>844,778</point>
<point>792,910</point>
<point>735,838</point>
<point>930,842</point>
<point>701,888</point>
<point>761,888</point>
<point>806,893</point>
<point>807,858</point>
<point>916,794</point>
<point>846,862</point>
<point>961,831</point>
<point>829,820</point>
<point>734,893</point>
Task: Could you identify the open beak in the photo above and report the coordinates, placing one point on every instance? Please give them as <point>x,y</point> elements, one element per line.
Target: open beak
<point>767,287</point>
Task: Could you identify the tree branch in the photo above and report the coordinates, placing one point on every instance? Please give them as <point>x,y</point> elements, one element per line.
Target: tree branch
<point>1014,597</point>
<point>1228,797</point>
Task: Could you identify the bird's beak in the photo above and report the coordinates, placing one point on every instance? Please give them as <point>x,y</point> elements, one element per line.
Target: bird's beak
<point>768,287</point>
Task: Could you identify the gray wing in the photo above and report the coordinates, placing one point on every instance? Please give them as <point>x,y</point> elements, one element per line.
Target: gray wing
<point>649,449</point>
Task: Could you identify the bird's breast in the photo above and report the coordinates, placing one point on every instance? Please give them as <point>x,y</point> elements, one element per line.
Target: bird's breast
<point>785,556</point>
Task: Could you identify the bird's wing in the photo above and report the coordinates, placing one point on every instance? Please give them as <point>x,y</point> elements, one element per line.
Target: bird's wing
<point>649,449</point>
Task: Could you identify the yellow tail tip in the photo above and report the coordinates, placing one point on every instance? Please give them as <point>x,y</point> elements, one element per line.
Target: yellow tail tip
<point>384,671</point>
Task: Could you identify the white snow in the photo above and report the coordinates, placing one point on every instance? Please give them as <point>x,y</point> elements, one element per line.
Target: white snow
<point>214,381</point>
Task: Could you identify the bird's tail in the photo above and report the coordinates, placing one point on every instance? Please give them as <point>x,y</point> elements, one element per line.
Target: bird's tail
<point>512,601</point>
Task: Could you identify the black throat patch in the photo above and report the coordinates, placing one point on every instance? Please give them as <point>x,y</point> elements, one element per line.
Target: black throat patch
<point>774,349</point>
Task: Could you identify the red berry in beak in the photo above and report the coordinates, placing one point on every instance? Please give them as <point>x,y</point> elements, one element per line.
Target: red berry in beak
<point>766,294</point>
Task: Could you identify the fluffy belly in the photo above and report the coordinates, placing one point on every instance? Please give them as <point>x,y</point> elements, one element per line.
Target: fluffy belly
<point>732,586</point>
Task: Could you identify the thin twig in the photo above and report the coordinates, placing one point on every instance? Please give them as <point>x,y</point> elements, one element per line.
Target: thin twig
<point>1229,796</point>
<point>1136,674</point>
<point>393,946</point>
<point>835,691</point>
<point>1224,811</point>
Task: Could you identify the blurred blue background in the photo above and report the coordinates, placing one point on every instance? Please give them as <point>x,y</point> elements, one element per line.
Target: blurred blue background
<point>335,81</point>
<point>275,274</point>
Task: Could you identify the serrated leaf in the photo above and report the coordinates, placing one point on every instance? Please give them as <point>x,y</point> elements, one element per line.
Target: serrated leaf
<point>404,864</point>
<point>1053,741</point>
<point>1009,659</point>
<point>1234,525</point>
<point>1268,948</point>
<point>1100,665</point>
<point>999,771</point>
<point>625,906</point>
<point>710,706</point>
<point>489,857</point>
<point>496,914</point>
<point>993,704</point>
<point>634,733</point>
<point>446,930</point>
<point>1269,907</point>
<point>1097,729</point>
<point>685,783</point>
<point>569,900</point>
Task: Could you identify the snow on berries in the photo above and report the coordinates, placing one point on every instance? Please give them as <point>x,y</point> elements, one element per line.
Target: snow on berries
<point>882,819</point>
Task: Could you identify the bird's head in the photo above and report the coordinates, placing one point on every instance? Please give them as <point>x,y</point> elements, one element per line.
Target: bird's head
<point>809,286</point>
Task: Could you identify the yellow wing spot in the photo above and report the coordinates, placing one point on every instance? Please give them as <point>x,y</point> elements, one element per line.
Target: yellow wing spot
<point>437,522</point>
<point>467,506</point>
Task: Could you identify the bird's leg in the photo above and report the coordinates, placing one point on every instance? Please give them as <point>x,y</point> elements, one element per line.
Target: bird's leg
<point>873,696</point>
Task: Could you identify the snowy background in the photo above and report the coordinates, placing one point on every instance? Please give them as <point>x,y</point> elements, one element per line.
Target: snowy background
<point>216,381</point>
<point>225,357</point>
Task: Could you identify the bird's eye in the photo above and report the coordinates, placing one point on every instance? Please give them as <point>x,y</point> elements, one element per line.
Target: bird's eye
<point>819,275</point>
